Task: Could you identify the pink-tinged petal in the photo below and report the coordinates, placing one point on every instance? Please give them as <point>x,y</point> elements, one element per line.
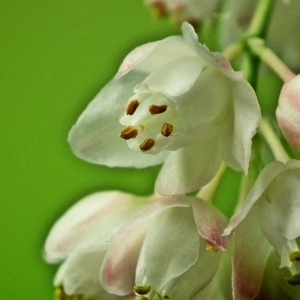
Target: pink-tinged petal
<point>152,210</point>
<point>237,131</point>
<point>284,196</point>
<point>79,274</point>
<point>215,59</point>
<point>187,169</point>
<point>135,57</point>
<point>288,111</point>
<point>151,56</point>
<point>269,223</point>
<point>87,225</point>
<point>197,277</point>
<point>210,223</point>
<point>264,179</point>
<point>118,269</point>
<point>171,246</point>
<point>96,135</point>
<point>251,251</point>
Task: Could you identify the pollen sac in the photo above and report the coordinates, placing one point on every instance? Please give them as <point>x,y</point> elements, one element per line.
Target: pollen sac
<point>157,109</point>
<point>132,106</point>
<point>294,280</point>
<point>147,144</point>
<point>211,248</point>
<point>166,129</point>
<point>128,133</point>
<point>295,256</point>
<point>141,290</point>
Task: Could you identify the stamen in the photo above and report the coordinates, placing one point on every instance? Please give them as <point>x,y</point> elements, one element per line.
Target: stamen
<point>294,280</point>
<point>147,144</point>
<point>132,106</point>
<point>157,109</point>
<point>211,248</point>
<point>295,256</point>
<point>141,289</point>
<point>166,129</point>
<point>128,133</point>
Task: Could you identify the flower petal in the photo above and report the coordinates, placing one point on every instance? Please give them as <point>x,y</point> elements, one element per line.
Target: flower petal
<point>86,226</point>
<point>264,179</point>
<point>197,277</point>
<point>170,248</point>
<point>149,57</point>
<point>251,251</point>
<point>237,131</point>
<point>210,223</point>
<point>118,269</point>
<point>187,169</point>
<point>96,135</point>
<point>79,274</point>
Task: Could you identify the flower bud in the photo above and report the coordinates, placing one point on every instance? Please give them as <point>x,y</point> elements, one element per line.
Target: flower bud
<point>288,111</point>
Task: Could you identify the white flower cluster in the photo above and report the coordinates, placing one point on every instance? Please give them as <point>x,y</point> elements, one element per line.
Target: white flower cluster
<point>176,103</point>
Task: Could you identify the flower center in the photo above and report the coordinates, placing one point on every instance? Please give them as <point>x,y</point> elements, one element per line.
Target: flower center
<point>151,124</point>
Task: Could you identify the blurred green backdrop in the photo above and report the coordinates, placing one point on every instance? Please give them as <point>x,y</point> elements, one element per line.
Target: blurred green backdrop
<point>54,57</point>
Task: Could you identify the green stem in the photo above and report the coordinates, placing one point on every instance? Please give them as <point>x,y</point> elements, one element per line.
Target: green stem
<point>266,130</point>
<point>208,192</point>
<point>261,18</point>
<point>258,47</point>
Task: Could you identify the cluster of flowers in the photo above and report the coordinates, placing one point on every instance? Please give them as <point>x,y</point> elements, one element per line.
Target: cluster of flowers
<point>175,102</point>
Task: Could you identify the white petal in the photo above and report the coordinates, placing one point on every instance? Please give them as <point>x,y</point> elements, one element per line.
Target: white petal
<point>87,225</point>
<point>187,169</point>
<point>251,251</point>
<point>211,58</point>
<point>176,77</point>
<point>197,277</point>
<point>210,223</point>
<point>152,210</point>
<point>119,266</point>
<point>171,246</point>
<point>237,130</point>
<point>264,179</point>
<point>79,274</point>
<point>151,56</point>
<point>96,135</point>
<point>284,196</point>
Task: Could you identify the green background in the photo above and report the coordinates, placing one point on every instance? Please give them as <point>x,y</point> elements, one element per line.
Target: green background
<point>54,57</point>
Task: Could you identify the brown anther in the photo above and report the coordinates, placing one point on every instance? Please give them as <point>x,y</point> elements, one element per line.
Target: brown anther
<point>157,109</point>
<point>147,144</point>
<point>166,129</point>
<point>128,133</point>
<point>132,106</point>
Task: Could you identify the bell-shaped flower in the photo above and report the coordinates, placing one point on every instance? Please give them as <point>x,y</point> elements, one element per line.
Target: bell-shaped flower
<point>176,102</point>
<point>80,237</point>
<point>271,212</point>
<point>288,111</point>
<point>174,258</point>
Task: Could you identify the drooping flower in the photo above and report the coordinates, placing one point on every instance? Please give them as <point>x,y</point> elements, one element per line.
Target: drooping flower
<point>164,245</point>
<point>288,111</point>
<point>271,211</point>
<point>176,102</point>
<point>80,237</point>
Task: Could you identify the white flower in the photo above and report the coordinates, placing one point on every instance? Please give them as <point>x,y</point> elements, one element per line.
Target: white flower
<point>288,111</point>
<point>173,101</point>
<point>270,220</point>
<point>174,259</point>
<point>80,237</point>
